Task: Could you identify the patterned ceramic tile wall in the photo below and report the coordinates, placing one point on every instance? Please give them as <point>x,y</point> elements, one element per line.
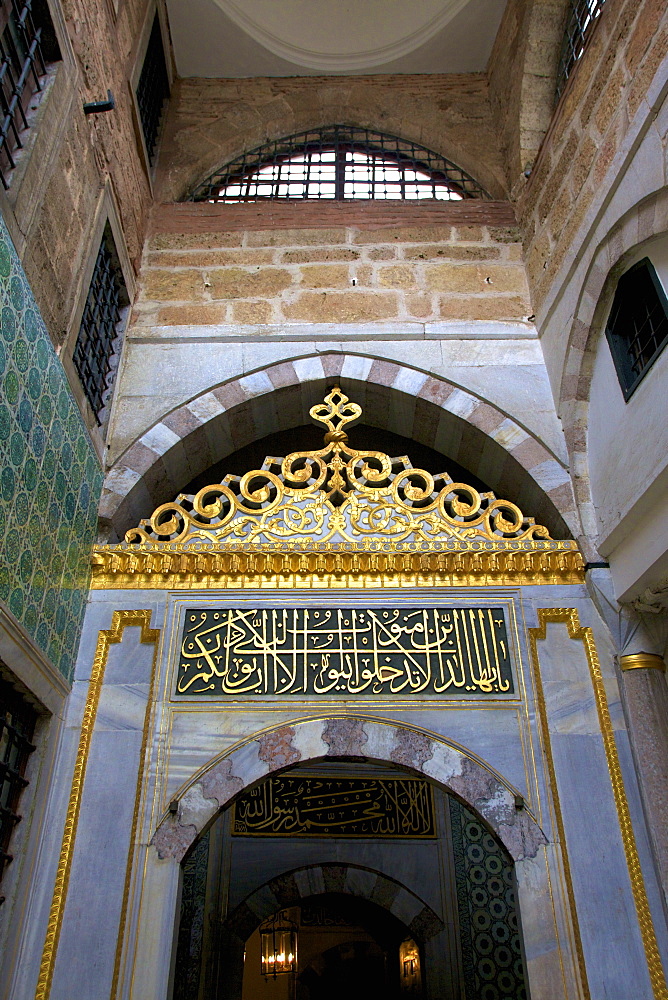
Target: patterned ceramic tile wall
<point>50,477</point>
<point>488,920</point>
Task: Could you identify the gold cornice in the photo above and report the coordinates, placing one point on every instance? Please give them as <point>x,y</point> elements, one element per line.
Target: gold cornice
<point>639,661</point>
<point>175,566</point>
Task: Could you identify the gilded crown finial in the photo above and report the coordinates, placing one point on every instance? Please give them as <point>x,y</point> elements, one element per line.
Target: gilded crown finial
<point>335,413</point>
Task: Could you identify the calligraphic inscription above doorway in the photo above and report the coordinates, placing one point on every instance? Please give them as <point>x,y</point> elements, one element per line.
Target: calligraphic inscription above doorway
<point>308,652</point>
<point>318,805</point>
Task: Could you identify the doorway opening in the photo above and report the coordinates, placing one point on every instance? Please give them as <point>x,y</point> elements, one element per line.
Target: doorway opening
<point>354,880</point>
<point>347,947</point>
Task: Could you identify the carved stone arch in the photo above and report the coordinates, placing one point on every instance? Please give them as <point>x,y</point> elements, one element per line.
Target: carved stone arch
<point>406,400</point>
<point>347,737</point>
<point>296,886</point>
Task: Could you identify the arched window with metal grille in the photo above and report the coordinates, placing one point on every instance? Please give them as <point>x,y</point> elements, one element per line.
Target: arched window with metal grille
<point>339,162</point>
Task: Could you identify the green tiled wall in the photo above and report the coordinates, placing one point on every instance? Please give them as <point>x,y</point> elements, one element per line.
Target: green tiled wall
<point>50,477</point>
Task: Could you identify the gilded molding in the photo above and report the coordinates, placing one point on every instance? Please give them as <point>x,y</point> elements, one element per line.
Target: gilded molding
<point>120,621</point>
<point>569,617</point>
<point>639,661</point>
<point>372,564</point>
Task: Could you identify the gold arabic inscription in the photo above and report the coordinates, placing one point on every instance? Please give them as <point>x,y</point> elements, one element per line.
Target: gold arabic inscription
<point>315,806</point>
<point>344,651</point>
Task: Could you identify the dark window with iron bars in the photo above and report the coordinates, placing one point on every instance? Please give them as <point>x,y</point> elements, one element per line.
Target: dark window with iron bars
<point>153,90</point>
<point>100,334</point>
<point>17,727</point>
<point>339,162</point>
<point>637,328</point>
<point>27,47</point>
<point>581,22</point>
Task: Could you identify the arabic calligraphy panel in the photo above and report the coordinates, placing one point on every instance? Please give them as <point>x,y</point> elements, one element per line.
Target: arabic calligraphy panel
<point>317,806</point>
<point>306,652</point>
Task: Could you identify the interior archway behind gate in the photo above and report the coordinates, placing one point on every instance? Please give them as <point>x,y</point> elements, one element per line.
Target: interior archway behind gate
<point>407,401</point>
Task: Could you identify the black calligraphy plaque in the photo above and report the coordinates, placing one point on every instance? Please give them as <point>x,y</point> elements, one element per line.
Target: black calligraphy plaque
<point>322,806</point>
<point>306,652</point>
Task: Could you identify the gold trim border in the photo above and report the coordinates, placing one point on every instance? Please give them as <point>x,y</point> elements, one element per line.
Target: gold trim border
<point>465,564</point>
<point>106,637</point>
<point>637,661</point>
<point>569,617</point>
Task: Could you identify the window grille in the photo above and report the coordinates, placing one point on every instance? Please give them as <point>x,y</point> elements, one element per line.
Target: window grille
<point>637,328</point>
<point>17,725</point>
<point>98,341</point>
<point>582,18</point>
<point>27,45</point>
<point>153,90</point>
<point>339,162</point>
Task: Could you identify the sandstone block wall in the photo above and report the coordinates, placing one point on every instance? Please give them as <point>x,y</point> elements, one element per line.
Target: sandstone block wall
<point>344,274</point>
<point>602,96</point>
<point>212,121</point>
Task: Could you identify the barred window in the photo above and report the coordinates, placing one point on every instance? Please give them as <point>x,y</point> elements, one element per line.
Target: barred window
<point>153,90</point>
<point>637,328</point>
<point>27,46</point>
<point>339,162</point>
<point>17,725</point>
<point>100,334</point>
<point>582,19</point>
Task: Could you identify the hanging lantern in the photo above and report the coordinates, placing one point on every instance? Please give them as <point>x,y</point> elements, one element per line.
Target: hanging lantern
<point>278,946</point>
<point>409,963</point>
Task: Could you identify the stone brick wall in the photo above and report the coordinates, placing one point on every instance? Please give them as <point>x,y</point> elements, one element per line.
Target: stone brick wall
<point>522,74</point>
<point>602,96</point>
<point>339,274</point>
<point>212,121</point>
<point>92,152</point>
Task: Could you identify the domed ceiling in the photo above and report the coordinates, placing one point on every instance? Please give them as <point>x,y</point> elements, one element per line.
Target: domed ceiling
<point>241,38</point>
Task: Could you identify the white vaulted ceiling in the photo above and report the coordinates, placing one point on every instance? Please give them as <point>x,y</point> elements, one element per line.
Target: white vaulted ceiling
<point>242,38</point>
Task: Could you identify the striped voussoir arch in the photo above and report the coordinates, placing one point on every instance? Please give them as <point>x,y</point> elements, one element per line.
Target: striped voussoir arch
<point>407,401</point>
<point>295,887</point>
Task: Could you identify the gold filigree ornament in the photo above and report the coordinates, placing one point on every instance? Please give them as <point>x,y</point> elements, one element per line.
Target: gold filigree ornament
<point>315,511</point>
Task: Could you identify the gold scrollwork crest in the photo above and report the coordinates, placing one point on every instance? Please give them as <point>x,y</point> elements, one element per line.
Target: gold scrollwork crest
<point>338,510</point>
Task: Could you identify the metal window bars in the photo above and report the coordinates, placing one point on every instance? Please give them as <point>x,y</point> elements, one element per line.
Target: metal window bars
<point>17,725</point>
<point>98,339</point>
<point>339,162</point>
<point>152,90</point>
<point>22,69</point>
<point>637,329</point>
<point>580,24</point>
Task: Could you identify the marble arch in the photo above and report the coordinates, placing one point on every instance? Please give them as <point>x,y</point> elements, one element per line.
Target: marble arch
<point>395,397</point>
<point>346,737</point>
